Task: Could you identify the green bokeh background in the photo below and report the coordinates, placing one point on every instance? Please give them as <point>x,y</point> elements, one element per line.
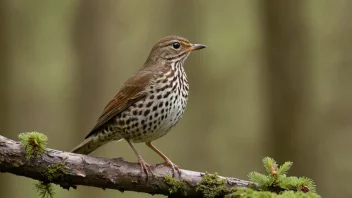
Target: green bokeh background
<point>274,81</point>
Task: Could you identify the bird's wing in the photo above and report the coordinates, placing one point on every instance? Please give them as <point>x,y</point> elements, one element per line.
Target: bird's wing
<point>132,91</point>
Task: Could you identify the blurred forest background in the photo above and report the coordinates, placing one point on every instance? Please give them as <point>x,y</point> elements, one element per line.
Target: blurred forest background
<point>274,81</point>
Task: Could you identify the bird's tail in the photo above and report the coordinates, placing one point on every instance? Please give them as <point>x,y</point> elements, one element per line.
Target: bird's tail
<point>91,143</point>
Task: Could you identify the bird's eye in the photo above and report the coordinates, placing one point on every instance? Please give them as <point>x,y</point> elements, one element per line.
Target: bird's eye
<point>176,45</point>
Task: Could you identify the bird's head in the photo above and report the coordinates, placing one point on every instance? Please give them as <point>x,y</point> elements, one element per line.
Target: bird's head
<point>172,48</point>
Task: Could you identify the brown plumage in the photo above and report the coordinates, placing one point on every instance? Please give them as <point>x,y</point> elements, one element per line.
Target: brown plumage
<point>149,104</point>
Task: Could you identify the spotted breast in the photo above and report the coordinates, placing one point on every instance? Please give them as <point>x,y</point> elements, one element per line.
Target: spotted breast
<point>161,109</point>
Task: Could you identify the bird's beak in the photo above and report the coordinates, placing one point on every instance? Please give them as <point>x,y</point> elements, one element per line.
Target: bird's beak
<point>193,47</point>
<point>197,47</point>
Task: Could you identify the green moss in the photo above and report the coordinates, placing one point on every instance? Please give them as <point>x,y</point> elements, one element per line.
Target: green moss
<point>45,190</point>
<point>34,142</point>
<point>212,186</point>
<point>250,193</point>
<point>175,186</point>
<point>55,172</point>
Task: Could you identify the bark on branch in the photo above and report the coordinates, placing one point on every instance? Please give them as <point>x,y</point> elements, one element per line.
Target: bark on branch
<point>103,173</point>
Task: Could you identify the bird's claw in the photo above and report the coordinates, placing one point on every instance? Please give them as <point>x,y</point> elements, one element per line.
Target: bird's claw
<point>145,167</point>
<point>174,168</point>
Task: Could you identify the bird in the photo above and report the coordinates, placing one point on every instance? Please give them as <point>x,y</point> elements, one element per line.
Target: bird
<point>149,104</point>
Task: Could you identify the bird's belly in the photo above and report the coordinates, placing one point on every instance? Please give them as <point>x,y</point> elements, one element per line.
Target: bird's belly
<point>155,120</point>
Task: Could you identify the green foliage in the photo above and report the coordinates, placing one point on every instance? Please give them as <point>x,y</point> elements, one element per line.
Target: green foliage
<point>175,186</point>
<point>276,182</point>
<point>284,168</point>
<point>34,142</point>
<point>260,178</point>
<point>250,193</point>
<point>270,165</point>
<point>297,183</point>
<point>45,190</point>
<point>212,186</point>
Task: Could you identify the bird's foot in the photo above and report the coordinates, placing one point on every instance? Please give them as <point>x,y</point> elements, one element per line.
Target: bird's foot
<point>145,167</point>
<point>174,167</point>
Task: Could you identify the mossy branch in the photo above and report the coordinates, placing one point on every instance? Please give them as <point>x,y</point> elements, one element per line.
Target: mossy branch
<point>70,170</point>
<point>30,158</point>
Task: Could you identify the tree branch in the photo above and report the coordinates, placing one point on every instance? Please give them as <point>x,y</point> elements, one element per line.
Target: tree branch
<point>76,169</point>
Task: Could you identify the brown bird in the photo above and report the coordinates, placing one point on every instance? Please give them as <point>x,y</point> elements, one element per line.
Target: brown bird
<point>149,104</point>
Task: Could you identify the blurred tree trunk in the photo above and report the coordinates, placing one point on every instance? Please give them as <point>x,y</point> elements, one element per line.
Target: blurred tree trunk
<point>287,74</point>
<point>4,88</point>
<point>92,25</point>
<point>4,72</point>
<point>332,96</point>
<point>89,30</point>
<point>36,70</point>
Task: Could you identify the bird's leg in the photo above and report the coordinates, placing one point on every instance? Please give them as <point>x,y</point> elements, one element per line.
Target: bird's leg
<point>167,160</point>
<point>144,166</point>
